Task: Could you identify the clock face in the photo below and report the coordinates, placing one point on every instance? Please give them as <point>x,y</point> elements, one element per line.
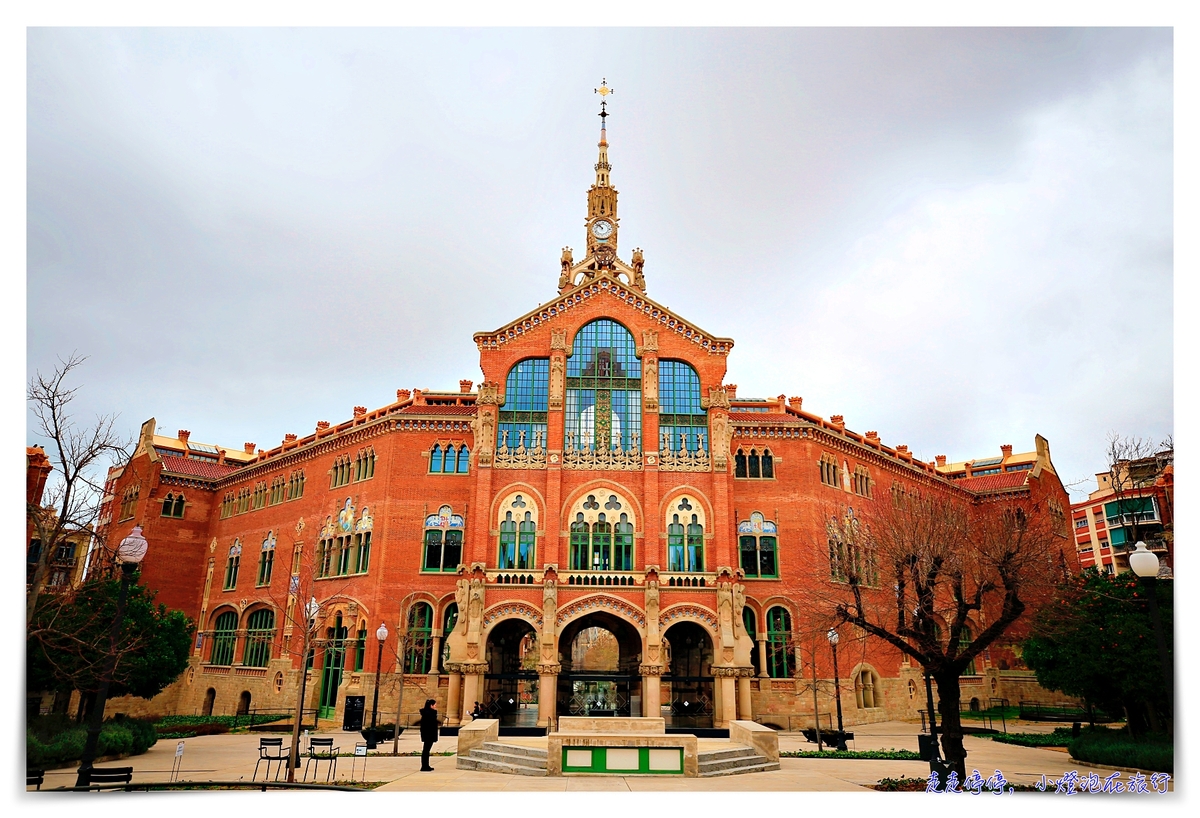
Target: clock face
<point>602,229</point>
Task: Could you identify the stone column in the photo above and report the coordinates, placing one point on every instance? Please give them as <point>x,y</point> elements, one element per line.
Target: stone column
<point>651,690</point>
<point>547,692</point>
<point>745,708</point>
<point>762,658</point>
<point>472,685</point>
<point>453,697</point>
<point>436,664</point>
<point>727,699</point>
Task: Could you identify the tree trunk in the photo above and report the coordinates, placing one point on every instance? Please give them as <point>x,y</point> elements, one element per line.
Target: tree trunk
<point>949,706</point>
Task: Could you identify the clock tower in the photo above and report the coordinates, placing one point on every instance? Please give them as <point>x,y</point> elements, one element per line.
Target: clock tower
<point>601,223</point>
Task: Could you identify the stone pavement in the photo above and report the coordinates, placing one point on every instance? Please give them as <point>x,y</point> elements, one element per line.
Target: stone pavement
<point>232,757</point>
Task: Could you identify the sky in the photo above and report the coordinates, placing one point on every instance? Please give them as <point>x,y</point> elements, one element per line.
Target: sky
<point>960,238</point>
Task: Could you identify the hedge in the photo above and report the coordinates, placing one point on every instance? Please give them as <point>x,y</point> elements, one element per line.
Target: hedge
<point>119,736</point>
<point>885,755</point>
<point>1061,737</point>
<point>1117,748</point>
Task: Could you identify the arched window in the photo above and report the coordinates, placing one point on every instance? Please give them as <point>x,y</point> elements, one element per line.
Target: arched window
<point>364,465</point>
<point>420,638</point>
<point>964,641</point>
<point>360,648</point>
<point>508,542</point>
<point>623,544</point>
<point>739,464</point>
<point>266,560</point>
<point>464,459</point>
<point>443,541</point>
<point>173,506</point>
<point>768,465</point>
<point>866,683</point>
<point>750,623</point>
<point>681,421</point>
<point>527,543</point>
<point>753,462</point>
<point>685,544</point>
<point>862,481</point>
<point>602,534</point>
<point>435,459</point>
<point>339,475</point>
<point>231,565</point>
<point>526,397</point>
<point>603,407</point>
<point>757,541</point>
<point>580,538</point>
<point>260,630</point>
<point>829,470</point>
<point>295,485</point>
<point>224,635</point>
<point>129,502</point>
<point>780,656</point>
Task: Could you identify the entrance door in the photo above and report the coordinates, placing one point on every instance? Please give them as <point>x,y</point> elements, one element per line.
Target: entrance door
<point>597,694</point>
<point>599,676</point>
<point>331,670</point>
<point>510,691</point>
<point>687,691</point>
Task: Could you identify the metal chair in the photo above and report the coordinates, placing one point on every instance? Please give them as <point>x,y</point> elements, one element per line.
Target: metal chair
<point>270,749</point>
<point>35,777</point>
<point>322,749</point>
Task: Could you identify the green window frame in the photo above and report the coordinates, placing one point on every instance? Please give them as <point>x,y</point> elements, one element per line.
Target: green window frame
<point>224,639</point>
<point>759,556</point>
<point>781,662</point>
<point>579,543</point>
<point>507,557</point>
<point>443,550</point>
<point>603,402</point>
<point>360,649</point>
<point>324,557</point>
<point>362,552</point>
<point>232,565</point>
<point>685,545</point>
<point>266,561</point>
<point>527,543</point>
<point>419,656</point>
<point>526,401</point>
<point>260,631</point>
<point>601,551</point>
<point>623,544</point>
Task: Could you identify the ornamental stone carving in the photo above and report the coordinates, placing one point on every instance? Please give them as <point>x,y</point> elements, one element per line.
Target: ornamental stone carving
<point>601,603</point>
<point>522,610</point>
<point>650,383</point>
<point>489,394</point>
<point>557,380</point>
<point>649,340</point>
<point>678,612</point>
<point>682,460</point>
<point>558,339</point>
<point>720,439</point>
<point>651,670</point>
<point>549,668</point>
<point>718,398</point>
<point>523,454</point>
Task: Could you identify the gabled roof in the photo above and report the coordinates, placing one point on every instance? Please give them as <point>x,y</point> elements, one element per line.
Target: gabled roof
<point>994,482</point>
<point>603,286</point>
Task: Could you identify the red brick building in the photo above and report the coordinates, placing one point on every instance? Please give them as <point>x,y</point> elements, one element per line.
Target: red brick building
<point>604,486</point>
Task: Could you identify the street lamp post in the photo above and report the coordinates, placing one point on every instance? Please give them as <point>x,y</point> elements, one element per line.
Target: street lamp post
<point>1145,564</point>
<point>381,635</point>
<point>130,553</point>
<point>837,687</point>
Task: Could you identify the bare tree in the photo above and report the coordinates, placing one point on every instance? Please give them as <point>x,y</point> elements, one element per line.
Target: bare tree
<point>1134,465</point>
<point>914,572</point>
<point>79,454</point>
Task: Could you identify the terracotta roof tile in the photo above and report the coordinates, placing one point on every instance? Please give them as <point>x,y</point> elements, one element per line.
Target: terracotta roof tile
<point>197,468</point>
<point>772,417</point>
<point>438,410</point>
<point>994,482</point>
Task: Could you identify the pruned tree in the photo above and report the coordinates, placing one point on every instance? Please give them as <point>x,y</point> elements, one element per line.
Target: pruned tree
<point>1135,464</point>
<point>940,582</point>
<point>79,454</point>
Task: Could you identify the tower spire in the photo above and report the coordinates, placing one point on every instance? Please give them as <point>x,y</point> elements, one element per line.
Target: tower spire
<point>602,166</point>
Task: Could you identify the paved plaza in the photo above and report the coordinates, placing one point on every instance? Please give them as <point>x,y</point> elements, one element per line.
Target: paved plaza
<point>232,758</point>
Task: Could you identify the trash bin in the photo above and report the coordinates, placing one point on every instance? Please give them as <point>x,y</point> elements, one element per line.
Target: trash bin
<point>926,747</point>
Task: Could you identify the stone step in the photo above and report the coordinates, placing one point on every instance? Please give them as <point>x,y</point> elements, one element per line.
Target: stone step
<point>481,754</point>
<point>472,763</point>
<point>736,751</point>
<point>761,766</point>
<point>515,750</point>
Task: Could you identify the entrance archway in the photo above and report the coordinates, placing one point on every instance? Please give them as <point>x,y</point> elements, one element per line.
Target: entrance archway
<point>210,698</point>
<point>688,689</point>
<point>510,691</point>
<point>600,677</point>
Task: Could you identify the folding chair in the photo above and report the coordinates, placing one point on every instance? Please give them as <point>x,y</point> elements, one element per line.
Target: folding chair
<point>322,749</point>
<point>270,749</point>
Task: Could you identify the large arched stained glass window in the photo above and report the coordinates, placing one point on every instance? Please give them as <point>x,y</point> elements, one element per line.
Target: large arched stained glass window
<point>604,389</point>
<point>523,416</point>
<point>681,421</point>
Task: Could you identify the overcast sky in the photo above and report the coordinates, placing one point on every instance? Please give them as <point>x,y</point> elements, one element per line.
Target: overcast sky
<point>959,238</point>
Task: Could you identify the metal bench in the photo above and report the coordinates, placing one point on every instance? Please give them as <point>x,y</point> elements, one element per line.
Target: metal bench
<point>35,777</point>
<point>269,750</point>
<point>830,737</point>
<point>109,775</point>
<point>322,749</point>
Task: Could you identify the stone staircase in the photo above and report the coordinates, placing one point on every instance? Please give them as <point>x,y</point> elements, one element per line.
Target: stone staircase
<point>735,760</point>
<point>496,757</point>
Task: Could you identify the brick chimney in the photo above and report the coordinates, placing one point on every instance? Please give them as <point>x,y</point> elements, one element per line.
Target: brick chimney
<point>839,421</point>
<point>1006,451</point>
<point>872,436</point>
<point>795,402</point>
<point>220,456</point>
<point>322,425</point>
<point>248,448</point>
<point>402,395</point>
<point>359,411</point>
<point>418,398</point>
<point>941,459</point>
<point>465,386</point>
<point>731,390</point>
<point>902,451</point>
<point>184,434</point>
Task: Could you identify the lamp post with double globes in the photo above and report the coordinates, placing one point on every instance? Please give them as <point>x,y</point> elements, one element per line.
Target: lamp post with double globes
<point>837,687</point>
<point>381,635</point>
<point>1145,564</point>
<point>130,554</point>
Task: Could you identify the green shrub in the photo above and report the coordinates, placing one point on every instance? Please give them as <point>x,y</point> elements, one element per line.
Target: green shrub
<point>171,723</point>
<point>184,730</point>
<point>1117,748</point>
<point>144,734</point>
<point>1061,737</point>
<point>66,746</point>
<point>115,740</point>
<point>885,755</point>
<point>901,784</point>
<point>119,735</point>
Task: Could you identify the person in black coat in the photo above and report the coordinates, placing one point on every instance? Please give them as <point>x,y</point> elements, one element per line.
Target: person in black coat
<point>429,732</point>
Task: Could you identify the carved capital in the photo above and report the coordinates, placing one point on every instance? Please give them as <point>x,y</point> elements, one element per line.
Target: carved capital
<point>473,667</point>
<point>558,339</point>
<point>651,670</point>
<point>489,394</point>
<point>727,672</point>
<point>718,398</point>
<point>549,668</point>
